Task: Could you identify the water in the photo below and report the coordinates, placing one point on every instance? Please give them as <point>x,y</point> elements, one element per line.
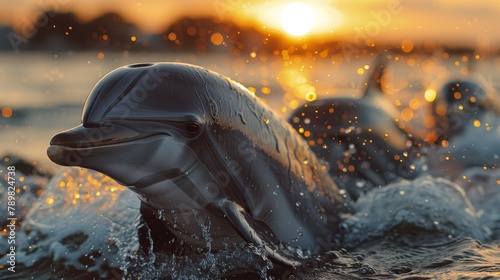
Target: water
<point>84,225</point>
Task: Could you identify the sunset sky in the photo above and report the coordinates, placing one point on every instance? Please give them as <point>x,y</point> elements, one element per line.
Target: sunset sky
<point>458,22</point>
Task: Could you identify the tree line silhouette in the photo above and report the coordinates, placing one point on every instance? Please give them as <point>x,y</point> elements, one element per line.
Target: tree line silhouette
<point>63,31</point>
<point>111,31</point>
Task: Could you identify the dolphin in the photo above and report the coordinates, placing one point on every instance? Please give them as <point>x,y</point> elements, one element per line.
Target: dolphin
<point>197,146</point>
<point>360,138</point>
<point>458,103</point>
<point>363,145</point>
<point>464,111</point>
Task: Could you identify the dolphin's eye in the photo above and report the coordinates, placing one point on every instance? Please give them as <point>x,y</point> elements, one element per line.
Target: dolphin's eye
<point>192,128</point>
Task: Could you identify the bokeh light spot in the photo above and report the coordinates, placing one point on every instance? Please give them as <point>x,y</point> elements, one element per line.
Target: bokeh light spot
<point>407,114</point>
<point>311,96</point>
<point>430,95</point>
<point>216,39</point>
<point>407,46</point>
<point>7,112</point>
<point>172,36</point>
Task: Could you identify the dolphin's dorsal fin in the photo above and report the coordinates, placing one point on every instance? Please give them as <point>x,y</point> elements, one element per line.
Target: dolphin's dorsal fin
<point>374,83</point>
<point>374,94</point>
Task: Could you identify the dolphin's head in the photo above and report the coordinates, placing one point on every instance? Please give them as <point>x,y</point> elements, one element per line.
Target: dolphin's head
<point>459,102</point>
<point>141,123</point>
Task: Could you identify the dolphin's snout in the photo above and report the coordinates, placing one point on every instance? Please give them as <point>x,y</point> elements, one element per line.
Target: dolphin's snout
<point>57,155</point>
<point>70,147</point>
<point>74,137</point>
<point>84,137</point>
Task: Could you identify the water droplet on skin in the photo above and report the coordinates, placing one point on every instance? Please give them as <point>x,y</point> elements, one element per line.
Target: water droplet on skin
<point>160,214</point>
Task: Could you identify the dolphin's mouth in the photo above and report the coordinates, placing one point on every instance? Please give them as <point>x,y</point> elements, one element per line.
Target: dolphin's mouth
<point>82,137</point>
<point>68,148</point>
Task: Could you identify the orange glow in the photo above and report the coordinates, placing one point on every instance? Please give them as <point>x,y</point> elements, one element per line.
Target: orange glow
<point>191,31</point>
<point>377,21</point>
<point>430,95</point>
<point>441,109</point>
<point>172,36</point>
<point>7,112</point>
<point>431,137</point>
<point>294,104</point>
<point>100,55</point>
<point>407,46</point>
<point>318,18</point>
<point>429,121</point>
<point>217,39</point>
<point>298,18</point>
<point>311,96</point>
<point>407,114</point>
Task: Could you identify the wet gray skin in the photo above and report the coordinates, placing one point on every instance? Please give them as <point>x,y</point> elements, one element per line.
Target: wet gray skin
<point>194,146</point>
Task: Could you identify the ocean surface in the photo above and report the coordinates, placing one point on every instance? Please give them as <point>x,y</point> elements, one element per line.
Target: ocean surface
<point>78,224</point>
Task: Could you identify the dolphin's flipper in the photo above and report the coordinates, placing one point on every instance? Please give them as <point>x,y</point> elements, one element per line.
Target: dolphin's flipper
<point>250,231</point>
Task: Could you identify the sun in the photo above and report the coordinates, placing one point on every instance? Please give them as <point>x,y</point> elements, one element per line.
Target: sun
<point>298,18</point>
